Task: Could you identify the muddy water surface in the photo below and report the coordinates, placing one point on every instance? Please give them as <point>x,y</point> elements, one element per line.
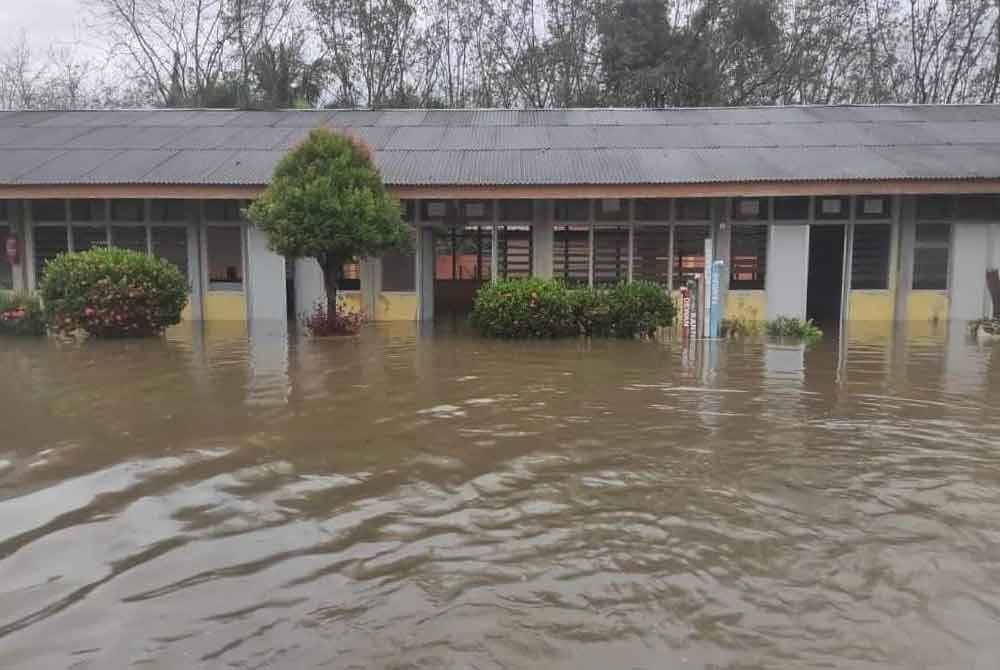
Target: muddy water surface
<point>420,499</point>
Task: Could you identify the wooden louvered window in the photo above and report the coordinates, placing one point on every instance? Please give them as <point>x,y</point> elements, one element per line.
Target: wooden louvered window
<point>610,255</point>
<point>6,271</point>
<point>748,257</point>
<point>132,238</point>
<point>870,257</point>
<point>571,255</point>
<point>49,242</point>
<point>171,244</point>
<point>651,255</point>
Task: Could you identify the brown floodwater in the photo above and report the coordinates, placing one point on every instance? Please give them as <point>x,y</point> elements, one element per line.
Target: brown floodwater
<point>422,498</point>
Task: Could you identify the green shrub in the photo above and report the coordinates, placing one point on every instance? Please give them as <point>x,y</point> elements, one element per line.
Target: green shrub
<point>591,311</point>
<point>784,326</point>
<point>518,308</point>
<point>638,309</point>
<point>21,314</point>
<point>110,292</point>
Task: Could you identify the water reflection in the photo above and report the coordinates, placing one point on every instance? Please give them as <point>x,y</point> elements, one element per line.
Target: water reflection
<point>418,497</point>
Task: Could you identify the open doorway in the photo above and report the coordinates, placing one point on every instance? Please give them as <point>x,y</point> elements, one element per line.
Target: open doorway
<point>826,273</point>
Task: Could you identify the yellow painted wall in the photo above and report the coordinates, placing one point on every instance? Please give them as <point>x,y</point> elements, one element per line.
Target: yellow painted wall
<point>871,306</point>
<point>746,305</point>
<point>225,306</point>
<point>187,312</point>
<point>396,306</point>
<point>927,306</point>
<point>351,300</point>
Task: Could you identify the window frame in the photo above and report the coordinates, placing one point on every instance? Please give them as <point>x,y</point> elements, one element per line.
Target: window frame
<point>933,244</point>
<point>736,284</point>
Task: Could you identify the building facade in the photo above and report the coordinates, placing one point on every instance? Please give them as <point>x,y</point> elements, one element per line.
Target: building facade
<point>833,213</point>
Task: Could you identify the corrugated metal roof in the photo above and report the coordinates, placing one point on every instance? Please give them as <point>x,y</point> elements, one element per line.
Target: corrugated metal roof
<point>517,147</point>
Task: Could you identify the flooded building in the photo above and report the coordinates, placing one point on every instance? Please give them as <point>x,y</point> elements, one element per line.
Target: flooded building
<point>866,213</point>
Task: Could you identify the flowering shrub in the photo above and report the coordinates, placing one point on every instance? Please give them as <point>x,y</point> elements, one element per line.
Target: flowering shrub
<point>21,314</point>
<point>323,323</point>
<point>112,293</point>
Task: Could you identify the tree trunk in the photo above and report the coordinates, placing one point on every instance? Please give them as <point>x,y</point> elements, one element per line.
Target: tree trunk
<point>332,272</point>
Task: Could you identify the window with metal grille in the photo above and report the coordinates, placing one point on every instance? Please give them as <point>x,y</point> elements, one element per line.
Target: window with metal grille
<point>48,210</point>
<point>6,271</point>
<point>571,254</point>
<point>693,209</point>
<point>611,209</point>
<point>873,207</point>
<point>978,208</point>
<point>832,207</point>
<point>514,252</point>
<point>132,238</point>
<point>651,255</point>
<point>652,209</point>
<point>171,244</point>
<point>931,256</point>
<point>399,272</point>
<point>521,211</point>
<point>128,209</point>
<point>689,253</point>
<point>750,209</point>
<point>610,255</point>
<point>572,210</point>
<point>86,210</point>
<point>791,209</point>
<point>49,242</point>
<point>223,210</point>
<point>224,247</point>
<point>463,253</point>
<point>167,210</point>
<point>935,207</point>
<point>748,257</point>
<point>870,258</point>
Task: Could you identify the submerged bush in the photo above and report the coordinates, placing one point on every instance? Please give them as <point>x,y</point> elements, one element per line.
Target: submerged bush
<point>639,309</point>
<point>784,326</point>
<point>324,323</point>
<point>517,308</point>
<point>109,292</point>
<point>543,308</point>
<point>21,314</point>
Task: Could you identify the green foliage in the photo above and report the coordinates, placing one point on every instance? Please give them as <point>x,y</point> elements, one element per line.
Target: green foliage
<point>785,326</point>
<point>112,292</point>
<point>542,308</point>
<point>741,327</point>
<point>638,309</point>
<point>327,201</point>
<point>21,314</point>
<point>521,308</point>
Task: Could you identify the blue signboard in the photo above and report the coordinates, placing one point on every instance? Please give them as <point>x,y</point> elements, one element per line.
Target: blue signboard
<point>715,299</point>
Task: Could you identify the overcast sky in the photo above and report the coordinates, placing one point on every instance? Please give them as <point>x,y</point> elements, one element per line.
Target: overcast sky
<point>46,22</point>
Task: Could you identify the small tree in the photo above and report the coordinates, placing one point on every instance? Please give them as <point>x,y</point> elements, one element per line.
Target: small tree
<point>327,201</point>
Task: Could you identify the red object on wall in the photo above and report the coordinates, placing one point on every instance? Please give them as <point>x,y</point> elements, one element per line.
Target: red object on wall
<point>11,248</point>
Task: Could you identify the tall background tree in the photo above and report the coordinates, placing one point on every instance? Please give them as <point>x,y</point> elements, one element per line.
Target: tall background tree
<point>521,53</point>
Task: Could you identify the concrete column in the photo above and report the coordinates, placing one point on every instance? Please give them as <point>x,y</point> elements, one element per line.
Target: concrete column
<point>371,285</point>
<point>425,274</point>
<point>788,270</point>
<point>907,243</point>
<point>970,255</point>
<point>542,240</point>
<point>308,285</point>
<point>17,227</point>
<point>195,260</point>
<point>266,296</point>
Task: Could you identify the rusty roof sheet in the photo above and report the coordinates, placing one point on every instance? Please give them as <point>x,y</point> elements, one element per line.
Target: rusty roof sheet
<point>522,147</point>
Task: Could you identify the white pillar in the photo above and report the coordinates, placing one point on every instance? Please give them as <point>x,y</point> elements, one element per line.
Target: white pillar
<point>542,240</point>
<point>970,254</point>
<point>309,288</point>
<point>788,270</point>
<point>425,274</point>
<point>266,296</point>
<point>907,243</point>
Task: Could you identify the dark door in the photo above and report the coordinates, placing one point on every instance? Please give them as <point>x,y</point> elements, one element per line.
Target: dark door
<point>826,273</point>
